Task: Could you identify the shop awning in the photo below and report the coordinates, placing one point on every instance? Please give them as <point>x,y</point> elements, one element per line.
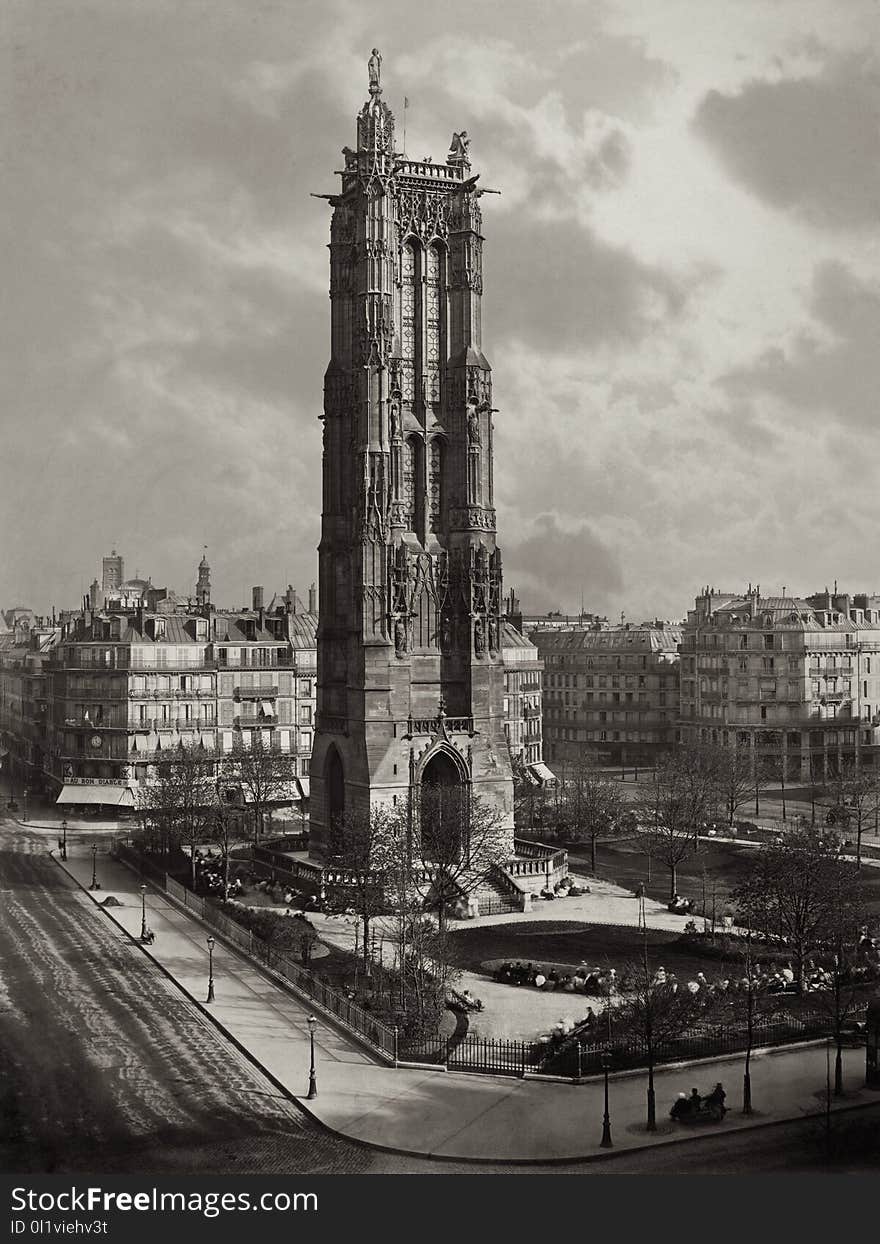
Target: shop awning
<point>4,752</point>
<point>543,774</point>
<point>110,796</point>
<point>268,708</point>
<point>304,786</point>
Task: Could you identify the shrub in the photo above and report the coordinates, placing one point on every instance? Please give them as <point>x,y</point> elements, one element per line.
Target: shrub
<point>292,933</point>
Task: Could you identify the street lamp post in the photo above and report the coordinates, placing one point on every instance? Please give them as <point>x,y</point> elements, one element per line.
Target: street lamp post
<point>210,997</point>
<point>606,1142</point>
<point>64,840</point>
<point>313,1083</point>
<point>95,884</point>
<point>143,913</point>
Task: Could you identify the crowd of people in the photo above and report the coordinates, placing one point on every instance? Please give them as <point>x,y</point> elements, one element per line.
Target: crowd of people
<point>594,981</point>
<point>209,873</point>
<point>712,1105</point>
<point>566,888</point>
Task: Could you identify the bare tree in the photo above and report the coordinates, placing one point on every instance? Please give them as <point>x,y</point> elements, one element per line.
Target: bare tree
<point>840,997</point>
<point>427,969</point>
<point>594,804</point>
<point>681,796</point>
<point>455,841</point>
<point>734,769</point>
<point>655,1012</point>
<point>795,890</point>
<point>529,801</point>
<point>747,1004</point>
<point>264,773</point>
<point>857,794</point>
<point>363,846</point>
<point>180,797</point>
<point>225,830</point>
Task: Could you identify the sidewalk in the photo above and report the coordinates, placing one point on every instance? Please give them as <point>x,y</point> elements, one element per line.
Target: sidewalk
<point>438,1113</point>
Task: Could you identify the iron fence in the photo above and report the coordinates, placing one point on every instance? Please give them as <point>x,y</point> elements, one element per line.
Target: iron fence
<point>572,1057</point>
<point>309,988</point>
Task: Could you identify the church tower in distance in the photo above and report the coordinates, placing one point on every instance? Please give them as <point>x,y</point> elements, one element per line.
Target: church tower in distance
<point>410,675</point>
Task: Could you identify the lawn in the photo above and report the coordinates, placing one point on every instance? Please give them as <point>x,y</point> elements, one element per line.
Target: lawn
<point>565,942</point>
<point>724,864</point>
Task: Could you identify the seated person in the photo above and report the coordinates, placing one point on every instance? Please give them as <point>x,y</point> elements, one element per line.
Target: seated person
<point>590,1017</point>
<point>567,983</point>
<point>717,1097</point>
<point>540,980</point>
<point>681,1107</point>
<point>695,1101</point>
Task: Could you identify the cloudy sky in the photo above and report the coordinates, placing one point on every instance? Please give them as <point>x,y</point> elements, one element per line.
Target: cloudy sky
<point>682,301</point>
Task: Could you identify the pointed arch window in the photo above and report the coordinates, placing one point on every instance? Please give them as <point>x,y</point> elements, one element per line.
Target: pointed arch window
<point>407,320</point>
<point>410,480</point>
<point>433,265</point>
<point>435,481</point>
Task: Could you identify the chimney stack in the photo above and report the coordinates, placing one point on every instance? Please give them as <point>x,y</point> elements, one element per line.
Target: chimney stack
<point>257,599</point>
<point>313,599</point>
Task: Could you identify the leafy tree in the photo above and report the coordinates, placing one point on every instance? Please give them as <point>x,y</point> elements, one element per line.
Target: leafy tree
<point>796,889</point>
<point>264,773</point>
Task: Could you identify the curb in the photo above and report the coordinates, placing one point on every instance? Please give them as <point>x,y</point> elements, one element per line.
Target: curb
<point>271,974</point>
<point>604,1156</point>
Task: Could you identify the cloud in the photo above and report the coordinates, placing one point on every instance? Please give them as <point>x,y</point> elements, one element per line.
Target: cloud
<point>570,288</point>
<point>553,563</point>
<point>832,368</point>
<point>806,144</point>
<point>672,347</point>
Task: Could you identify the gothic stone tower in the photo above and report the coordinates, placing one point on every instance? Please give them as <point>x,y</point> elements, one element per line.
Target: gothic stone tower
<point>410,677</point>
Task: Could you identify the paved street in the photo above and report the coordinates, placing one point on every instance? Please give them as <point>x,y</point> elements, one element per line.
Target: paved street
<point>109,1067</point>
<point>106,1066</point>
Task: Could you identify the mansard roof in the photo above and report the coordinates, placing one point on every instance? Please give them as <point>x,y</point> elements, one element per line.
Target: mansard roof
<point>611,639</point>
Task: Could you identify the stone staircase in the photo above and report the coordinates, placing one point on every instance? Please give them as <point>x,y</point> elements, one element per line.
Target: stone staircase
<point>496,898</point>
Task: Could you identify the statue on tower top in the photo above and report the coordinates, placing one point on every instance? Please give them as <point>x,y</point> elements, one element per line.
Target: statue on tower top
<point>458,150</point>
<point>374,65</point>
